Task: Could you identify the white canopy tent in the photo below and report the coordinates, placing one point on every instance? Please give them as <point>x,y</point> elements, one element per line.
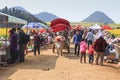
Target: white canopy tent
<point>96,26</point>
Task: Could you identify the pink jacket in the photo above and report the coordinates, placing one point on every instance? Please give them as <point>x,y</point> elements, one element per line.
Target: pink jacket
<point>83,46</point>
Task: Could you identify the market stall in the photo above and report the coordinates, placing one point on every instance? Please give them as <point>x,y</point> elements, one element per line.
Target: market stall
<point>112,51</point>
<point>7,21</point>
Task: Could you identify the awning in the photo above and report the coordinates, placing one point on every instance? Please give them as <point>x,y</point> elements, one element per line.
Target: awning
<point>11,19</point>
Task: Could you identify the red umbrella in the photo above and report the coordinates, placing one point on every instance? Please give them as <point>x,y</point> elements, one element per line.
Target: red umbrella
<point>71,27</point>
<point>59,27</point>
<point>106,27</point>
<point>59,21</point>
<point>42,30</point>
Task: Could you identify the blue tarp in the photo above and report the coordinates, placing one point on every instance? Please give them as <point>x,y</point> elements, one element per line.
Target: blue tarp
<point>36,25</point>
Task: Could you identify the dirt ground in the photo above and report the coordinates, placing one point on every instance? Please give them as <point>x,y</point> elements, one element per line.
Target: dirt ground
<point>48,66</point>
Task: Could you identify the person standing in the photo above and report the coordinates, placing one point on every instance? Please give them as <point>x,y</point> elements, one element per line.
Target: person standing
<point>59,43</point>
<point>100,46</point>
<point>91,54</point>
<point>13,45</point>
<point>21,43</point>
<point>37,42</point>
<point>83,48</point>
<point>49,39</point>
<point>90,38</point>
<point>76,40</point>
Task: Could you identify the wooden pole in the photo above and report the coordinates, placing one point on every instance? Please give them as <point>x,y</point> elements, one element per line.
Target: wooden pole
<point>6,25</point>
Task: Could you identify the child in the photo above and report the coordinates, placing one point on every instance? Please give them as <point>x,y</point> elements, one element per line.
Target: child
<point>83,48</point>
<point>91,54</point>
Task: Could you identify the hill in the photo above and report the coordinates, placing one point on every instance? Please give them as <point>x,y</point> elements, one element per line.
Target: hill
<point>99,17</point>
<point>46,17</point>
<point>20,8</point>
<point>20,13</point>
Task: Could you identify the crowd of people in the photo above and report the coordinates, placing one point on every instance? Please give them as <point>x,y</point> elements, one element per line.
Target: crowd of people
<point>91,42</point>
<point>16,45</point>
<point>85,41</point>
<point>19,42</point>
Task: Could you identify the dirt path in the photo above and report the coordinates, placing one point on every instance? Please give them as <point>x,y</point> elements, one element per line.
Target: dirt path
<point>48,66</point>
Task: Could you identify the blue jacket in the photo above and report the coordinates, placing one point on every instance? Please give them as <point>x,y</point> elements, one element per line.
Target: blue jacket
<point>77,38</point>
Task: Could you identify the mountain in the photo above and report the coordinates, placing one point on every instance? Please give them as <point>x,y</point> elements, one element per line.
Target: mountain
<point>46,17</point>
<point>19,8</point>
<point>99,17</point>
<point>21,13</point>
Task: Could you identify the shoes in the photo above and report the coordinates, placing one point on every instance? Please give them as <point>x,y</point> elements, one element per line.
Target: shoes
<point>91,63</point>
<point>80,61</point>
<point>101,64</point>
<point>96,64</point>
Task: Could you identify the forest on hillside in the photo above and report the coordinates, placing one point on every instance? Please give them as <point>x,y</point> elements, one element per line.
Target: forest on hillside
<point>20,14</point>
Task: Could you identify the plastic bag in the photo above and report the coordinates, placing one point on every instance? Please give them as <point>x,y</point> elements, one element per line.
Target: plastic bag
<point>2,52</point>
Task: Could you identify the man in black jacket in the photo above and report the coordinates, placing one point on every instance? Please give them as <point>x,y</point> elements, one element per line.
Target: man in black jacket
<point>21,45</point>
<point>100,46</point>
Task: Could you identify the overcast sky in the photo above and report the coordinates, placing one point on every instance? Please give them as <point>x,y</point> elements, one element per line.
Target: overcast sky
<point>73,10</point>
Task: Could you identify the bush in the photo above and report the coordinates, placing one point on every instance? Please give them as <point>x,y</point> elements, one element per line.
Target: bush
<point>118,28</point>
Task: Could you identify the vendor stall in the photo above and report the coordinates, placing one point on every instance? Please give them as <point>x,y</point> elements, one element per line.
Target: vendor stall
<point>5,22</point>
<point>113,51</point>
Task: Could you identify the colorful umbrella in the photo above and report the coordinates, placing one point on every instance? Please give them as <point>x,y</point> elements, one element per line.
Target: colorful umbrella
<point>59,27</point>
<point>106,27</point>
<point>59,21</point>
<point>35,25</point>
<point>42,30</point>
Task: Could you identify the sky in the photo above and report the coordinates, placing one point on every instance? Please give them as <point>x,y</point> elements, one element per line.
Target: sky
<point>72,10</point>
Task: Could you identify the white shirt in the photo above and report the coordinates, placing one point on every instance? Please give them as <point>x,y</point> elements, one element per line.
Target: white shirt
<point>90,36</point>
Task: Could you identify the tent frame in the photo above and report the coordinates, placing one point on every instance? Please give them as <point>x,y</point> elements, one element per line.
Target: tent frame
<point>5,19</point>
